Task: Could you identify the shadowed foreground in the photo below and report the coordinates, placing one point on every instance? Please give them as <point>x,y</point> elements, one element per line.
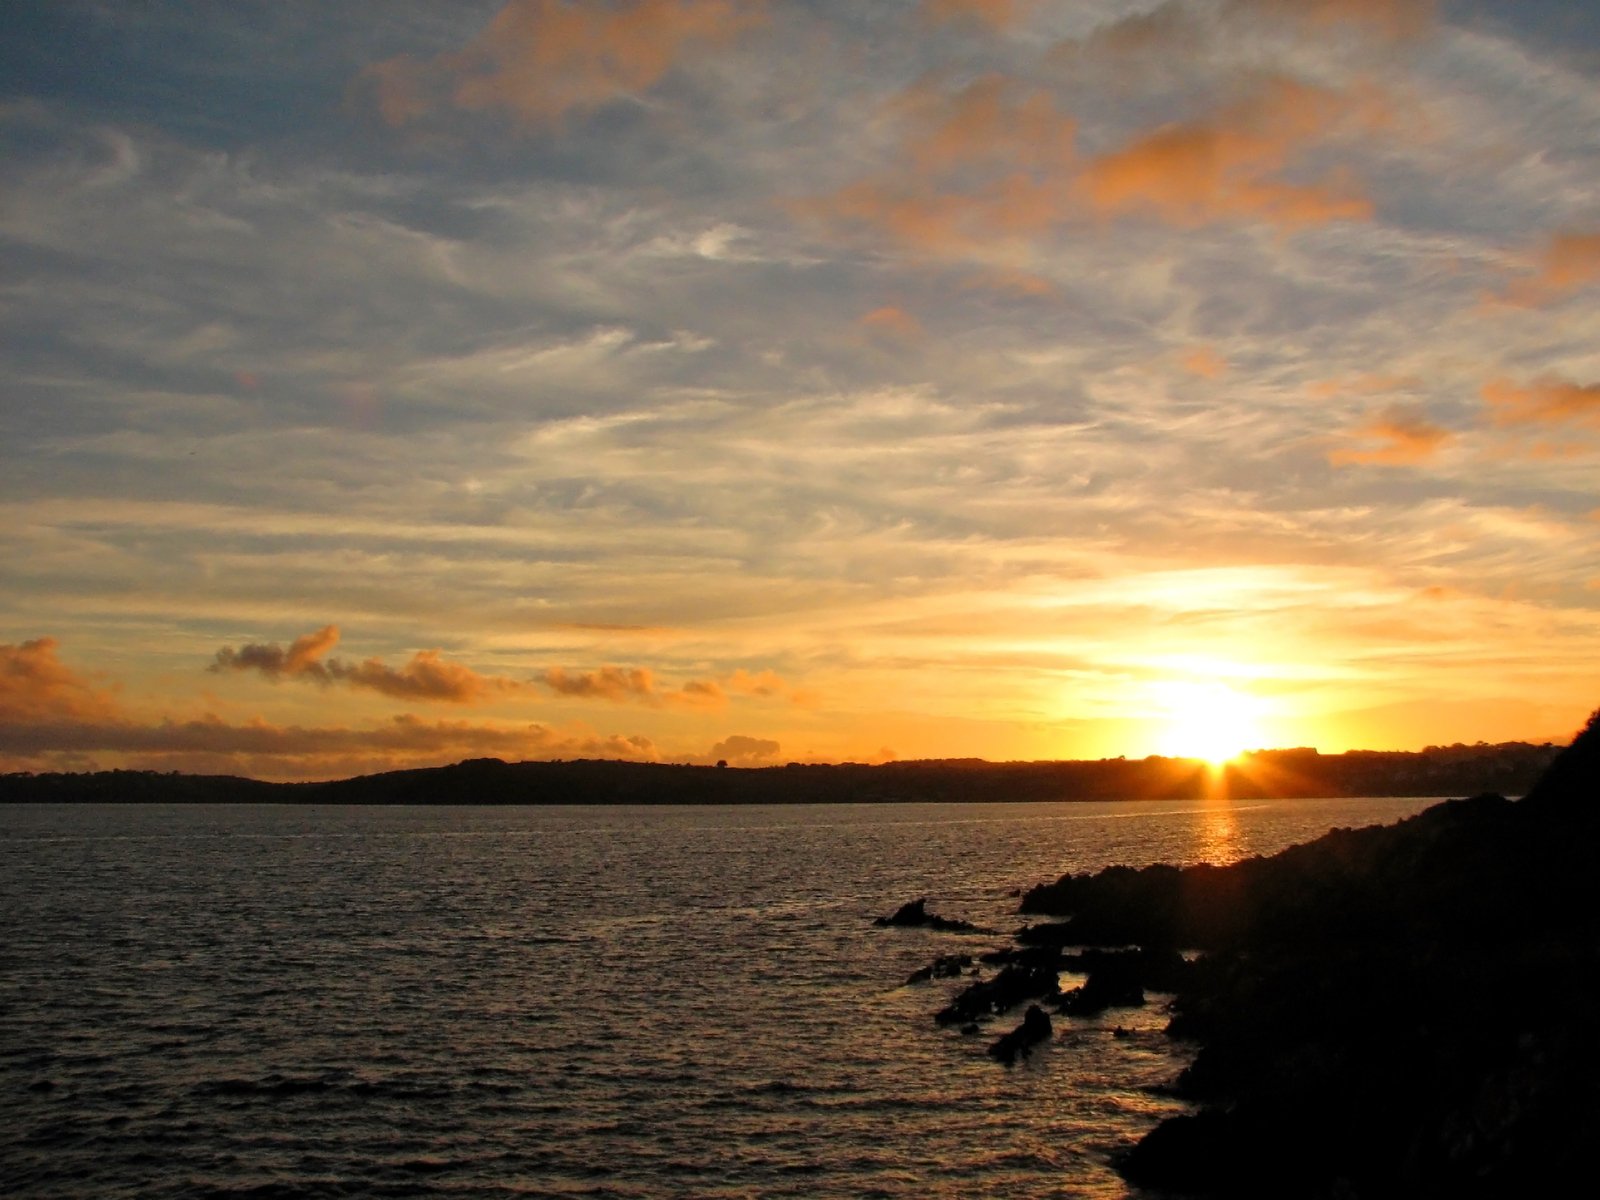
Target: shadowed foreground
<point>1392,1011</point>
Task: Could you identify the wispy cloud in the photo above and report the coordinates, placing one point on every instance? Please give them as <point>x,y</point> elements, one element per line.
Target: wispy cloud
<point>1398,437</point>
<point>1398,19</point>
<point>1232,164</point>
<point>52,716</point>
<point>538,60</point>
<point>995,13</point>
<point>1546,401</point>
<point>1568,262</point>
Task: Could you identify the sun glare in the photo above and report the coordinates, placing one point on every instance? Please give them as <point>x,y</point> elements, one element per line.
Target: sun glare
<point>1208,720</point>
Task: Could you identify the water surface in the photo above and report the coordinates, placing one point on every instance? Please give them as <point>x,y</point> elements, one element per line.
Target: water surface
<point>559,1001</point>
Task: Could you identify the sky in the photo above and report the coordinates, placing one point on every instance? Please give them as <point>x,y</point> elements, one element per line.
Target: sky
<point>386,384</point>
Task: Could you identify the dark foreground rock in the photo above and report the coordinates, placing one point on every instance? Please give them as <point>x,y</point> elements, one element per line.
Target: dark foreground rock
<point>1035,1028</point>
<point>914,914</point>
<point>1008,988</point>
<point>946,966</point>
<point>1399,1011</point>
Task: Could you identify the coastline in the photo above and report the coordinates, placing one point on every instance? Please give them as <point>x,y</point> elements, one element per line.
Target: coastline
<point>1398,1010</point>
<point>1510,768</point>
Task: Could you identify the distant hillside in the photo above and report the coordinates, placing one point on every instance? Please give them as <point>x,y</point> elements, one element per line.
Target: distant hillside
<point>1509,768</point>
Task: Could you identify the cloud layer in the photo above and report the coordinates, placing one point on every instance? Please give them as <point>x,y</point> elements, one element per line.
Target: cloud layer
<point>949,377</point>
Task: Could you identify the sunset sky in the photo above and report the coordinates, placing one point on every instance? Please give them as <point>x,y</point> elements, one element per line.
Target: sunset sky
<point>398,382</point>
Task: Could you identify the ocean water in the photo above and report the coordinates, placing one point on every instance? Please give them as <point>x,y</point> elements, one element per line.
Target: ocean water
<point>284,1001</point>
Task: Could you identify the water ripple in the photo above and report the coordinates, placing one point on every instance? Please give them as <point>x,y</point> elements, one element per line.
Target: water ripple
<point>277,1001</point>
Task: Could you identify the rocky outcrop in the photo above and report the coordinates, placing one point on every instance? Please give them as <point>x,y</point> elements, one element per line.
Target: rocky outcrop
<point>1035,1028</point>
<point>946,966</point>
<point>1404,1011</point>
<point>914,914</point>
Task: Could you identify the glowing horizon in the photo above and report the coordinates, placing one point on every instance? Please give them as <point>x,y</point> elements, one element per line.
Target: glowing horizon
<point>388,386</point>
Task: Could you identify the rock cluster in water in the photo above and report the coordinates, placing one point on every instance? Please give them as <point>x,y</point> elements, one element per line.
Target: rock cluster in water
<point>915,915</point>
<point>1394,1011</point>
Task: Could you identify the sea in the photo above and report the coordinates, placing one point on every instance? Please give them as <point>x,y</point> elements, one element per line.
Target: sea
<point>324,1001</point>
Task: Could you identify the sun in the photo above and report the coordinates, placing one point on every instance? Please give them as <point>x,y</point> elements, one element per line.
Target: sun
<point>1207,720</point>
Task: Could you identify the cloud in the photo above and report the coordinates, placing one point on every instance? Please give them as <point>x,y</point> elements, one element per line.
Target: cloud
<point>1367,384</point>
<point>623,685</point>
<point>36,687</point>
<point>892,322</point>
<point>51,717</point>
<point>986,162</point>
<point>1404,437</point>
<point>1546,401</point>
<point>760,683</point>
<point>425,677</point>
<point>739,750</point>
<point>1226,167</point>
<point>616,684</point>
<point>994,165</point>
<point>1012,282</point>
<point>998,14</point>
<point>538,60</point>
<point>303,657</point>
<point>1397,19</point>
<point>1205,362</point>
<point>267,750</point>
<point>1568,262</point>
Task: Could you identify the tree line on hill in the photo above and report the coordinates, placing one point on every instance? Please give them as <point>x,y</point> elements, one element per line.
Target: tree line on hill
<point>1509,768</point>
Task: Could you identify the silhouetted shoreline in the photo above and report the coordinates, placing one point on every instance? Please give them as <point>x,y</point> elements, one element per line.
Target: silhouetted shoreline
<point>1510,768</point>
<point>1401,1010</point>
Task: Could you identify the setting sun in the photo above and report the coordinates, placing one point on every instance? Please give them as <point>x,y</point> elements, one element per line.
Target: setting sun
<point>1208,720</point>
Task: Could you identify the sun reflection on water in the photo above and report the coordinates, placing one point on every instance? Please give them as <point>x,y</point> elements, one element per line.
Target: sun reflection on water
<point>1218,830</point>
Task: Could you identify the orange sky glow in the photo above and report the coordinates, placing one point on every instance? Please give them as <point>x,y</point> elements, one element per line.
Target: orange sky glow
<point>685,380</point>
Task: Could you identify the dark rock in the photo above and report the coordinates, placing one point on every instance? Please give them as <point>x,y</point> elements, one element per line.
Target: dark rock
<point>914,914</point>
<point>1035,1028</point>
<point>946,966</point>
<point>1188,1153</point>
<point>1100,993</point>
<point>1398,1011</point>
<point>1119,978</point>
<point>1010,987</point>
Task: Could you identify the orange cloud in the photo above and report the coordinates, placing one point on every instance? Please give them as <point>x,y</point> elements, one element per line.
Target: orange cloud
<point>984,122</point>
<point>894,322</point>
<point>292,751</point>
<point>52,717</point>
<point>1367,384</point>
<point>1200,172</point>
<point>1012,282</point>
<point>1546,401</point>
<point>1396,19</point>
<point>1405,439</point>
<point>978,165</point>
<point>36,687</point>
<point>997,14</point>
<point>622,685</point>
<point>425,677</point>
<point>540,59</point>
<point>739,750</point>
<point>992,164</point>
<point>1568,262</point>
<point>759,683</point>
<point>1205,362</point>
<point>608,683</point>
